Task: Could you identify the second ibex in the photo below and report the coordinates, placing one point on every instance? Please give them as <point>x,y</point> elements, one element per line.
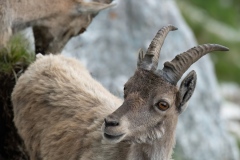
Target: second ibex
<point>54,22</point>
<point>61,112</point>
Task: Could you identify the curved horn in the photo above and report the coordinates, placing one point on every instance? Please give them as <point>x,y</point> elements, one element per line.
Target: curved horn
<point>150,60</point>
<point>174,70</point>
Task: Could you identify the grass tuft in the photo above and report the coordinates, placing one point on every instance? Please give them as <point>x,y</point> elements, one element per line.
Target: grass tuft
<point>16,56</point>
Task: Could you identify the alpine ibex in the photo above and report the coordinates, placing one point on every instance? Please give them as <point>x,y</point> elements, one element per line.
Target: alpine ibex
<point>60,109</point>
<point>54,22</point>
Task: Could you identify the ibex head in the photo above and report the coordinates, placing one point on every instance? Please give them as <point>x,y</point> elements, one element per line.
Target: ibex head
<point>152,101</point>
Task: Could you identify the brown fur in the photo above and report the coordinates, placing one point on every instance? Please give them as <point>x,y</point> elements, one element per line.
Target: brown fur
<point>54,22</point>
<point>59,110</point>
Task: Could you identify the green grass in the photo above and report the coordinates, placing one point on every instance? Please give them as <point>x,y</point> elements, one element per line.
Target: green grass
<point>15,56</point>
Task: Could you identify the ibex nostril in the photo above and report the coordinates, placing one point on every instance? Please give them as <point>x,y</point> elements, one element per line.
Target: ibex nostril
<point>109,122</point>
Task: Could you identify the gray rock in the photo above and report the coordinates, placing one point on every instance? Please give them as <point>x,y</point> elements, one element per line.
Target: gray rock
<point>109,50</point>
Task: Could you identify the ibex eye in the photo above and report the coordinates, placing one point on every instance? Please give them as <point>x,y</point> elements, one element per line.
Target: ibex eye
<point>162,105</point>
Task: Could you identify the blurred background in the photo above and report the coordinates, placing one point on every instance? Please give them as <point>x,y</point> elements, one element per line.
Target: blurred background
<point>210,127</point>
<point>218,21</point>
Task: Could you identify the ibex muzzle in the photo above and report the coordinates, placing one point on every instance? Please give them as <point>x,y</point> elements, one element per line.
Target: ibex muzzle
<point>152,101</point>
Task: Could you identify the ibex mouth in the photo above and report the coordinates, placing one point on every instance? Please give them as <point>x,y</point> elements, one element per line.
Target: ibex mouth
<point>112,137</point>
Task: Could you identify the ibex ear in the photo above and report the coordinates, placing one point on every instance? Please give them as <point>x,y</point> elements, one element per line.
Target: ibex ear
<point>186,90</point>
<point>140,56</point>
<point>92,7</point>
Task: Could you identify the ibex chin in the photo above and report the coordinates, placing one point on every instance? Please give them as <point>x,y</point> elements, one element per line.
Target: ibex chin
<point>61,112</point>
<point>54,22</point>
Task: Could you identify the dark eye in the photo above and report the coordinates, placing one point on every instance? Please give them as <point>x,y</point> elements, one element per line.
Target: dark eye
<point>162,105</point>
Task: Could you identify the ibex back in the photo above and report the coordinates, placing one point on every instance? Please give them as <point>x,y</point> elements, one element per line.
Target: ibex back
<point>61,112</point>
<point>54,22</point>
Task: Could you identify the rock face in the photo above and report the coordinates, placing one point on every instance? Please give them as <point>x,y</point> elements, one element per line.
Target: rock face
<point>109,50</point>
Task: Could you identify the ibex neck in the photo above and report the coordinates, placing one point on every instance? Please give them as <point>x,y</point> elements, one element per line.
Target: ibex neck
<point>158,150</point>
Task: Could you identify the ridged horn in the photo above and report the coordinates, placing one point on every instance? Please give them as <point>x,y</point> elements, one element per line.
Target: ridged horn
<point>174,70</point>
<point>151,58</point>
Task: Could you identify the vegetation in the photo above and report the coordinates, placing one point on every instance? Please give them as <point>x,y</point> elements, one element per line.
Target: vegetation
<point>14,59</point>
<point>217,21</point>
<point>16,56</point>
